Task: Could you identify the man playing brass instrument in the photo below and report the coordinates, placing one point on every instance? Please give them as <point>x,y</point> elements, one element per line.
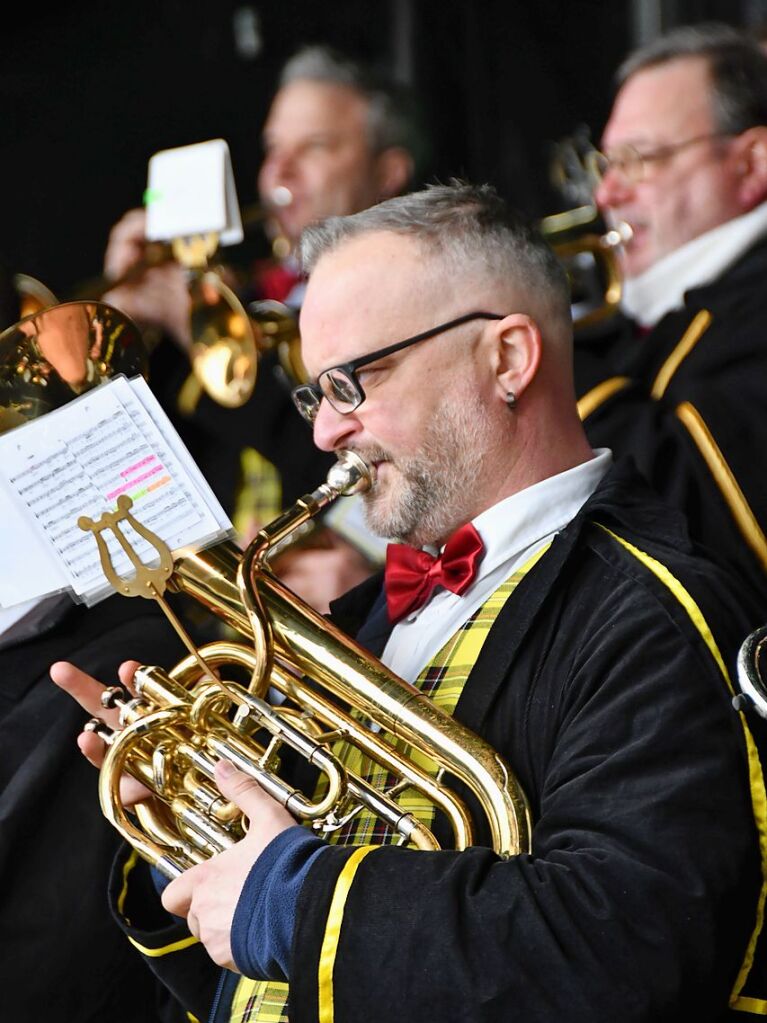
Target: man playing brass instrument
<point>554,606</point>
<point>685,165</point>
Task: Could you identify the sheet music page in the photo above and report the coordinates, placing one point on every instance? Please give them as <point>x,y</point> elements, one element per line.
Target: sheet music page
<point>76,462</point>
<point>191,190</point>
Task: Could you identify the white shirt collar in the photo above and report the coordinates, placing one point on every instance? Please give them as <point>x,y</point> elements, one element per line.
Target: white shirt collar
<point>539,511</point>
<point>512,531</point>
<point>661,288</point>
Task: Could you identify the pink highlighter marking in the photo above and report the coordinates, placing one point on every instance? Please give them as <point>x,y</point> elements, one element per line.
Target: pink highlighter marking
<point>138,465</point>
<point>133,483</point>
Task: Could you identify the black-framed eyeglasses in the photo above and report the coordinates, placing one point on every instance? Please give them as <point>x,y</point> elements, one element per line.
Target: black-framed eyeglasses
<point>631,163</point>
<point>340,384</point>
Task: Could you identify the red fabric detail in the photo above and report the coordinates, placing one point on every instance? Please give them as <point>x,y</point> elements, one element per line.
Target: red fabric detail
<point>277,281</point>
<point>412,575</point>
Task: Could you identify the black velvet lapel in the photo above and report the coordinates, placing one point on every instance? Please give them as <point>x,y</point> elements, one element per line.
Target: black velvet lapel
<point>616,501</point>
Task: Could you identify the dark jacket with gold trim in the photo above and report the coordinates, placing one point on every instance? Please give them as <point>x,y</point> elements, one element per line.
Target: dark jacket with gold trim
<point>638,899</point>
<point>700,436</point>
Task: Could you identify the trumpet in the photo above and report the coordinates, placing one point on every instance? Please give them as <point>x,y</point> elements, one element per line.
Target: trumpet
<point>331,690</point>
<point>226,339</point>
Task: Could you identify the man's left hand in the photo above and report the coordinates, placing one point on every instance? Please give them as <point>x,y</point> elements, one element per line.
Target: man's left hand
<point>207,894</point>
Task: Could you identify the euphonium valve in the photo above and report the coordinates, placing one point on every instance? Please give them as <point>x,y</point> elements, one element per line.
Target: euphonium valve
<point>311,688</point>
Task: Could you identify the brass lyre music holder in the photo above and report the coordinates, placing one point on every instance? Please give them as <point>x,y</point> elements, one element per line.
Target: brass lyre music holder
<point>147,582</point>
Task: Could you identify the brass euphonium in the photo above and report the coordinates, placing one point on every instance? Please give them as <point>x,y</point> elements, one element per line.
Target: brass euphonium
<point>182,721</point>
<point>34,296</point>
<point>52,356</point>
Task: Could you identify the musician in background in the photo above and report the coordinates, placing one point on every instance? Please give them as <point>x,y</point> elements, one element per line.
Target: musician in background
<point>685,165</point>
<point>336,140</point>
<point>550,602</point>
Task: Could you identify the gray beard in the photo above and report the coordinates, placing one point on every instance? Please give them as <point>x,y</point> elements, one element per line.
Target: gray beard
<point>431,493</point>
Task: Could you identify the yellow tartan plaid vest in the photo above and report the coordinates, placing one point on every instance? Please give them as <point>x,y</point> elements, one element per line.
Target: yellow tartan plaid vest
<point>443,679</point>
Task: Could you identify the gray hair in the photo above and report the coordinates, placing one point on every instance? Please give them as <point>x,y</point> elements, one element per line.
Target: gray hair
<point>737,68</point>
<point>393,117</point>
<point>473,233</point>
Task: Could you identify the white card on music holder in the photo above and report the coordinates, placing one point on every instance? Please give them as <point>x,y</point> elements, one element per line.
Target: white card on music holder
<point>191,191</point>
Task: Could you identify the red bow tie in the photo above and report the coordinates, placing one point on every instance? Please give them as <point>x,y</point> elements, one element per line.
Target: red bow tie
<point>412,575</point>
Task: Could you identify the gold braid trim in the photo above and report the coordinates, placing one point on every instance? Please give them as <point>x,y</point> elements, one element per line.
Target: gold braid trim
<point>734,497</point>
<point>737,1002</point>
<point>598,395</point>
<point>690,338</point>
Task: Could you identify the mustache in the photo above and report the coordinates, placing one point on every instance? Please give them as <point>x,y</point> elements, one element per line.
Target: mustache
<point>372,454</point>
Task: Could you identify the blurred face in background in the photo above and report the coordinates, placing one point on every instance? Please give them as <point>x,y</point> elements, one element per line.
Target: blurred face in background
<point>688,181</point>
<point>317,147</point>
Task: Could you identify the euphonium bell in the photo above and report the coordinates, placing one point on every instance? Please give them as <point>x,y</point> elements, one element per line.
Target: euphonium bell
<point>330,689</point>
<point>52,356</point>
<point>34,296</point>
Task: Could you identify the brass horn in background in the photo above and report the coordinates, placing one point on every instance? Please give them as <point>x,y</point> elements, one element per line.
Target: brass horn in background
<point>50,357</point>
<point>226,339</point>
<point>588,255</point>
<point>182,721</point>
<point>585,245</point>
<point>223,347</point>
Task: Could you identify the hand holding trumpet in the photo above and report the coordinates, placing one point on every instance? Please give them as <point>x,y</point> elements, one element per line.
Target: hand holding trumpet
<point>148,287</point>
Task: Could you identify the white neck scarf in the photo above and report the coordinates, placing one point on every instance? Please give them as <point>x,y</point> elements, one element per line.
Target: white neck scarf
<point>661,288</point>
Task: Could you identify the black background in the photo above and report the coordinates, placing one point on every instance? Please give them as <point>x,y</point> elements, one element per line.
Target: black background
<point>91,89</point>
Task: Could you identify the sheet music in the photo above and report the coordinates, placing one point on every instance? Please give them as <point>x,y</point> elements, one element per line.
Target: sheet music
<point>76,462</point>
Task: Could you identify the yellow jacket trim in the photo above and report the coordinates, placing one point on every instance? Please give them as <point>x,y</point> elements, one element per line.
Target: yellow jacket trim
<point>128,866</point>
<point>757,1006</point>
<point>333,932</point>
<point>736,501</point>
<point>598,395</point>
<point>155,953</point>
<point>756,777</point>
<point>690,338</point>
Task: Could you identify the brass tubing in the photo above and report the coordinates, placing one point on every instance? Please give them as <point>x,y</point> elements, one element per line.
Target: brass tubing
<point>115,765</point>
<point>374,746</point>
